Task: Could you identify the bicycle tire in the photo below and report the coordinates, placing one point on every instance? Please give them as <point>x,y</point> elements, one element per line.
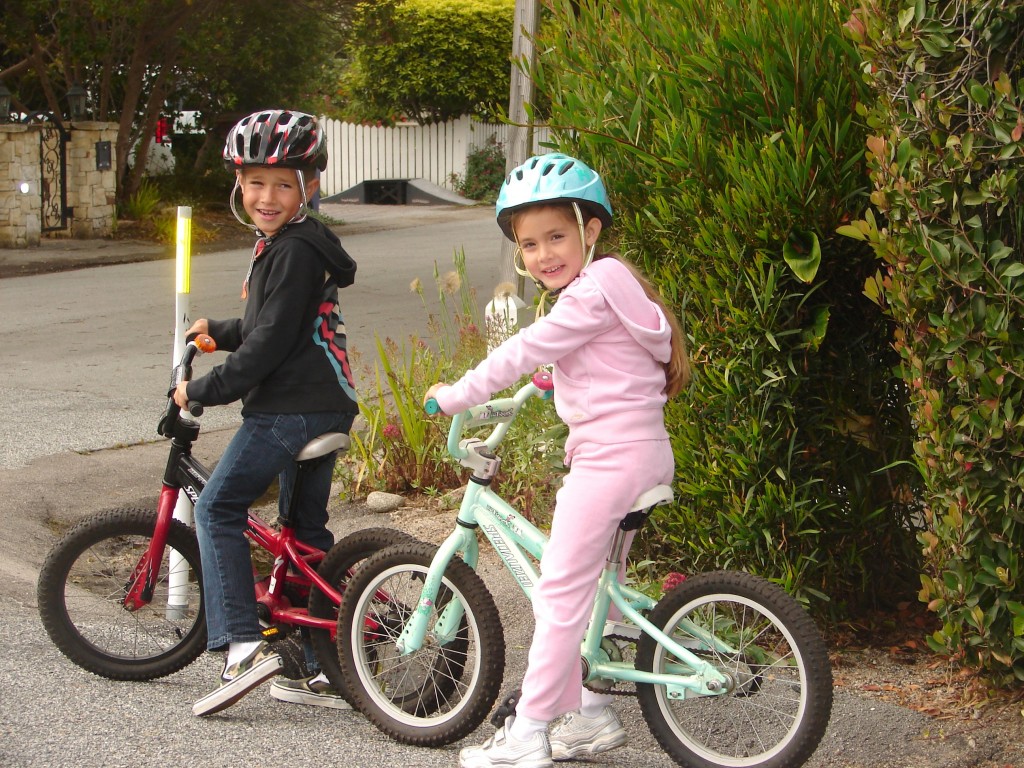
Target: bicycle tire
<point>423,698</point>
<point>780,700</point>
<point>81,589</point>
<point>336,569</point>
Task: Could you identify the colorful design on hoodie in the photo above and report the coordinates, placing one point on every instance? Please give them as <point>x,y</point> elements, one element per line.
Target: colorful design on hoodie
<point>329,335</point>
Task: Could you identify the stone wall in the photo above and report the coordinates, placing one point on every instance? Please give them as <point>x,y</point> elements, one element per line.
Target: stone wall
<point>20,207</point>
<point>90,192</point>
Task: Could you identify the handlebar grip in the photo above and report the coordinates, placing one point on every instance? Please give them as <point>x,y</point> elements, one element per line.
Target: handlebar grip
<point>195,408</point>
<point>431,406</point>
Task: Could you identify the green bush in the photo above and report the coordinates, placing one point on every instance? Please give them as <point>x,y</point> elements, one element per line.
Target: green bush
<point>944,154</point>
<point>485,171</point>
<point>144,203</point>
<point>427,60</point>
<point>725,131</point>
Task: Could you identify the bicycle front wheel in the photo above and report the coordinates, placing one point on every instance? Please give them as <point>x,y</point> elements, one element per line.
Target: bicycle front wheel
<point>441,692</point>
<point>81,591</point>
<point>336,568</point>
<point>778,699</point>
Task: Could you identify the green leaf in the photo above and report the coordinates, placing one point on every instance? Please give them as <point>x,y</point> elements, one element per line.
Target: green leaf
<point>979,94</point>
<point>1014,270</point>
<point>802,253</point>
<point>906,16</point>
<point>904,152</point>
<point>848,230</point>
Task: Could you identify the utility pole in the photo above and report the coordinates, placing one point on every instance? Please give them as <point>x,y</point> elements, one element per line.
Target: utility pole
<point>520,144</point>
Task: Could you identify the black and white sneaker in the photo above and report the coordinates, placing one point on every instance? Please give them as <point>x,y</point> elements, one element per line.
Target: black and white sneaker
<point>316,691</point>
<point>238,679</point>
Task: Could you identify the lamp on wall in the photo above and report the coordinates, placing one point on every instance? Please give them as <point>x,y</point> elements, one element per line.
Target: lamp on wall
<point>5,104</point>
<point>76,101</point>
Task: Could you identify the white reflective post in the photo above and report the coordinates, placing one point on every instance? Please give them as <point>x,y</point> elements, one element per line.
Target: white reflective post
<point>177,577</point>
<point>503,315</point>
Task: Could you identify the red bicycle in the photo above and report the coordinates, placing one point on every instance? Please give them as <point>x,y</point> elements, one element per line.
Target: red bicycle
<point>121,595</point>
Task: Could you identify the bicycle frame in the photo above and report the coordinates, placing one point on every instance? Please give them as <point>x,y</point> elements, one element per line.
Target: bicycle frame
<point>517,540</point>
<point>185,473</point>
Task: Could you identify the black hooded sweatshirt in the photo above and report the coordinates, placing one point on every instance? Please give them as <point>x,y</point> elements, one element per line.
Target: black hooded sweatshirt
<point>288,351</point>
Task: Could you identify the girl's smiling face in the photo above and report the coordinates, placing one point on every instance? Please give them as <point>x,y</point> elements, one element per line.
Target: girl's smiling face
<point>549,237</point>
<point>271,196</point>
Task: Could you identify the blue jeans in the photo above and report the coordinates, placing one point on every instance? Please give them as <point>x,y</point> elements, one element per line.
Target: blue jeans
<point>264,447</point>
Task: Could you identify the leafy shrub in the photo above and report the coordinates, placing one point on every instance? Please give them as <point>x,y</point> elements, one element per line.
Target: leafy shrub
<point>944,155</point>
<point>427,60</point>
<point>732,155</point>
<point>485,171</point>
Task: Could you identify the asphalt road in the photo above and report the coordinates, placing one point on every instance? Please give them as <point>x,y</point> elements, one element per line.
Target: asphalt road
<point>84,367</point>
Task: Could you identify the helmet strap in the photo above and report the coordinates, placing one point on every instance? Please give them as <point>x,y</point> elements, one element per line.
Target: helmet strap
<point>588,254</point>
<point>303,211</point>
<point>517,259</point>
<point>234,207</point>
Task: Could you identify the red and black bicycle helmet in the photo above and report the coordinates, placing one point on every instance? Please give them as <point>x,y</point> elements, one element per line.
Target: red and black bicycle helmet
<point>276,137</point>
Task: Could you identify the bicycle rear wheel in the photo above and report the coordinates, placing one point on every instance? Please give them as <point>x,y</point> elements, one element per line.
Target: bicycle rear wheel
<point>779,697</point>
<point>81,591</point>
<point>442,692</point>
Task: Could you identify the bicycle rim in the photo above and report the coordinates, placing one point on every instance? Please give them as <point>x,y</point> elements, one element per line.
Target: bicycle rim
<point>781,684</point>
<point>82,589</point>
<point>440,692</point>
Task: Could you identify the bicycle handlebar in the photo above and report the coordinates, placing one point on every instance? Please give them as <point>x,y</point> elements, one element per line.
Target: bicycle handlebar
<point>501,412</point>
<point>183,372</point>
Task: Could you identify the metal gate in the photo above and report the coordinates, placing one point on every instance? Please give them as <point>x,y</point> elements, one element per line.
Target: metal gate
<point>53,171</point>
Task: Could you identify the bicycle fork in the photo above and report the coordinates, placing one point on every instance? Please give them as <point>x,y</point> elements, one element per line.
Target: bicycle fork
<point>138,591</point>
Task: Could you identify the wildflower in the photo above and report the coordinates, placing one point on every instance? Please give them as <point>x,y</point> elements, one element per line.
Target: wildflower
<point>504,290</point>
<point>672,581</point>
<point>391,432</point>
<point>451,282</point>
<point>416,286</point>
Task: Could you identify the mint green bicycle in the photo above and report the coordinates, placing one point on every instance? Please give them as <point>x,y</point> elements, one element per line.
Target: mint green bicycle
<point>729,670</point>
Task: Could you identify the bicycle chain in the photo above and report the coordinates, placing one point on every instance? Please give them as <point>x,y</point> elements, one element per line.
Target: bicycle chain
<point>611,691</point>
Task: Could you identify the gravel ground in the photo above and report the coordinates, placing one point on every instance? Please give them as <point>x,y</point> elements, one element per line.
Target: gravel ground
<point>56,714</point>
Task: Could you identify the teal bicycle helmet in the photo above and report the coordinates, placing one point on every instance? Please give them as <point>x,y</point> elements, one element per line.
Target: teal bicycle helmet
<point>552,178</point>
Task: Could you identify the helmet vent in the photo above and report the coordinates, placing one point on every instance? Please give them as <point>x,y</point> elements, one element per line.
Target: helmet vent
<point>565,168</point>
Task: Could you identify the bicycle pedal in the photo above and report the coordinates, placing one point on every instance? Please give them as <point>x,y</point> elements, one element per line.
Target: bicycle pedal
<point>506,709</point>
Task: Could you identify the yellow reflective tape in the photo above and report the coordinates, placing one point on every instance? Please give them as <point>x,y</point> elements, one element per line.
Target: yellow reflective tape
<point>183,250</point>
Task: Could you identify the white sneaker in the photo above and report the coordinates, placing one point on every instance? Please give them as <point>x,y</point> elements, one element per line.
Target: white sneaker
<point>577,735</point>
<point>504,751</point>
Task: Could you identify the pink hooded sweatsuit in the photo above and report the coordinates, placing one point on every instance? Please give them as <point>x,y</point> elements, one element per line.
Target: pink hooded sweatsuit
<point>609,344</point>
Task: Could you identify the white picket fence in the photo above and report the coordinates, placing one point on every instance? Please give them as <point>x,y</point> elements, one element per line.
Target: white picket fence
<point>408,151</point>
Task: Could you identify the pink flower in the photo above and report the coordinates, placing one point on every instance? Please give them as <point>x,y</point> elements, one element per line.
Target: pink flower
<point>672,581</point>
<point>391,432</point>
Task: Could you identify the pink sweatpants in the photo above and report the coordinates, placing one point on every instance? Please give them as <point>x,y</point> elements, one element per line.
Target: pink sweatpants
<point>602,484</point>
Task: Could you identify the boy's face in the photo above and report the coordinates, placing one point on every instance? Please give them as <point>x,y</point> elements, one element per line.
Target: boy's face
<point>272,196</point>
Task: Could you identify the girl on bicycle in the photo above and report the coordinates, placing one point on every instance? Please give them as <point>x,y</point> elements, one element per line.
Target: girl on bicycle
<point>618,355</point>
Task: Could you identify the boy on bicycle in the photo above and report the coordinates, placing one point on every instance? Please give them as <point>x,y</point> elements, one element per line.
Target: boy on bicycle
<point>288,364</point>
